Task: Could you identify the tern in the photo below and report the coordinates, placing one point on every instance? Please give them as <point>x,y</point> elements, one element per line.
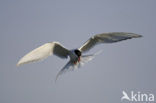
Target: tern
<point>75,55</point>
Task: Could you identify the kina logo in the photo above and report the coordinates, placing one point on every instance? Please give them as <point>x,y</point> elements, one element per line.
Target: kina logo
<point>138,97</point>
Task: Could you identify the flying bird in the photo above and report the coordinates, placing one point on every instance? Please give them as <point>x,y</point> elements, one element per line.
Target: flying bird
<point>77,59</point>
<point>125,96</point>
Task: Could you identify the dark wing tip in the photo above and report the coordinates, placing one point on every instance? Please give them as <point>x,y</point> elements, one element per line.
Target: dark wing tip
<point>138,36</point>
<point>135,35</point>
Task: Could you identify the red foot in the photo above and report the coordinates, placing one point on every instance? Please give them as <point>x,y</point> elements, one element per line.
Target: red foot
<point>77,61</point>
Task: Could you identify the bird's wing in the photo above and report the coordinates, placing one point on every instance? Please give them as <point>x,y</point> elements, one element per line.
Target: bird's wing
<point>106,38</point>
<point>43,52</point>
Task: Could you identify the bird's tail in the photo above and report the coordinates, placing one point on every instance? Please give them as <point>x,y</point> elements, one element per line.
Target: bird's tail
<point>70,66</point>
<point>87,58</point>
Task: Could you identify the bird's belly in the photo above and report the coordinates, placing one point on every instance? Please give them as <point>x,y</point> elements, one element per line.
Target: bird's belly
<point>73,57</point>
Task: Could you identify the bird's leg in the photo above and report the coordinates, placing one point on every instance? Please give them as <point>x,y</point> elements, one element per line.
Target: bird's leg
<point>75,62</point>
<point>78,59</point>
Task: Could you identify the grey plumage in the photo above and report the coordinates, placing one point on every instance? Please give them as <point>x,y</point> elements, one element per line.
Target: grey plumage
<point>107,38</point>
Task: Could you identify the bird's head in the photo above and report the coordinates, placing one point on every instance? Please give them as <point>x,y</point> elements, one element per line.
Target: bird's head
<point>77,52</point>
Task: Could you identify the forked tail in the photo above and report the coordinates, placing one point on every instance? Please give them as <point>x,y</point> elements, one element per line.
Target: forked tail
<point>87,58</point>
<point>70,66</point>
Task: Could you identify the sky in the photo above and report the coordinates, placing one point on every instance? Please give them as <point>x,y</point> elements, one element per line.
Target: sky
<point>124,66</point>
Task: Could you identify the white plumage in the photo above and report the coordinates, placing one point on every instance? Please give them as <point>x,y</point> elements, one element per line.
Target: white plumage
<point>43,52</point>
<point>76,59</point>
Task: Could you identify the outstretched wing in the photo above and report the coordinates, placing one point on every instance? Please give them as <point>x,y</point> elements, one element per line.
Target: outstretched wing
<point>43,52</point>
<point>107,38</point>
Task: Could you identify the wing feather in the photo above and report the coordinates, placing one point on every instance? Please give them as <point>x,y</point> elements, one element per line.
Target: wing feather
<point>43,52</point>
<point>107,38</point>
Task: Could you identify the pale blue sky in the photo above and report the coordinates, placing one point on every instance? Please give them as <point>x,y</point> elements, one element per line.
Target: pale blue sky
<point>128,65</point>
